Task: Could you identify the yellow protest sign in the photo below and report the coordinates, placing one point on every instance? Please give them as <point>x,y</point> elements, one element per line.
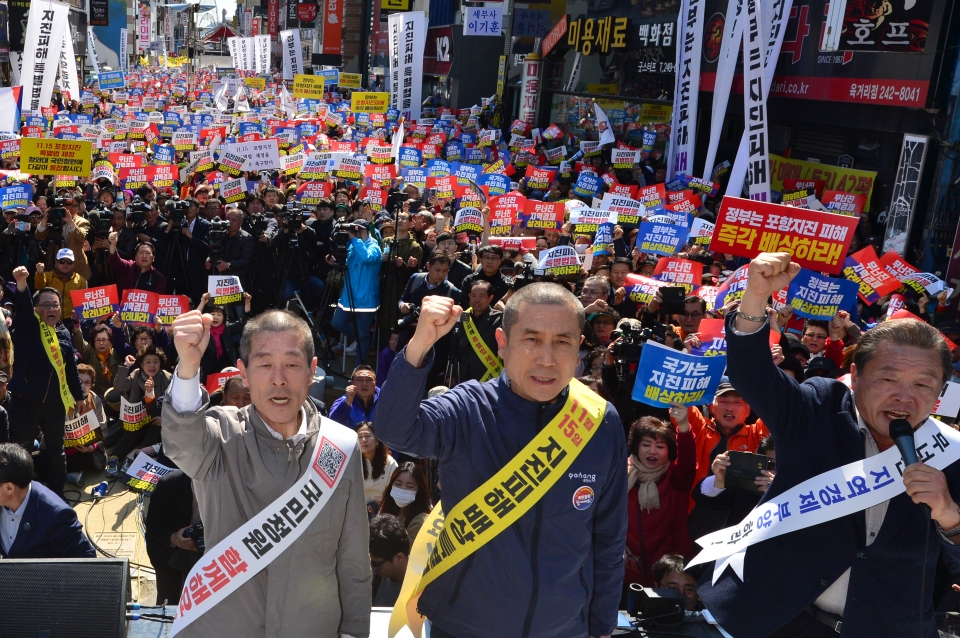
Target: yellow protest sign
<point>55,157</point>
<point>255,83</point>
<point>349,80</point>
<point>835,178</point>
<point>308,86</point>
<point>650,113</point>
<point>369,102</point>
<point>603,89</point>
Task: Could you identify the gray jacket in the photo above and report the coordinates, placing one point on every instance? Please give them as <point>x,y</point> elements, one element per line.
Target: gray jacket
<point>321,585</point>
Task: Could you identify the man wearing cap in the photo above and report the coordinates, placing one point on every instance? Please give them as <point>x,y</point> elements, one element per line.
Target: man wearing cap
<point>75,228</point>
<point>821,366</point>
<point>63,279</point>
<point>491,257</point>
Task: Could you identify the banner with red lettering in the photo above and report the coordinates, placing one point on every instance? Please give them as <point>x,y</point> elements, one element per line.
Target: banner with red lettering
<point>139,307</point>
<point>169,307</point>
<point>866,270</point>
<point>684,272</point>
<point>816,240</point>
<point>93,303</point>
<point>545,215</point>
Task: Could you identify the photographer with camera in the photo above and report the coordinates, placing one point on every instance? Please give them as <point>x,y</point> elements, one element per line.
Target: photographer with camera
<point>172,523</point>
<point>18,243</point>
<point>188,248</point>
<point>155,230</point>
<point>135,223</point>
<point>322,224</point>
<point>296,246</point>
<point>358,254</point>
<point>139,273</point>
<point>262,227</point>
<point>231,252</point>
<point>401,256</point>
<point>64,226</point>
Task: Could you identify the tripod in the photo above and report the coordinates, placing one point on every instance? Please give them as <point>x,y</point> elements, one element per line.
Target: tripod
<point>293,255</point>
<point>453,374</point>
<point>176,251</point>
<point>340,267</point>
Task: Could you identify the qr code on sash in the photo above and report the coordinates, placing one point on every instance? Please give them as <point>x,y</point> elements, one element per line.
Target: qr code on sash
<point>329,462</point>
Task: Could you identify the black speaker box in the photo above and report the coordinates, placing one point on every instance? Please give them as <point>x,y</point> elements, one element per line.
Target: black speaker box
<point>64,598</point>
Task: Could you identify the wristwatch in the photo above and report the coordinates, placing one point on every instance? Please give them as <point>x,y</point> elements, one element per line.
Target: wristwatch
<point>947,533</point>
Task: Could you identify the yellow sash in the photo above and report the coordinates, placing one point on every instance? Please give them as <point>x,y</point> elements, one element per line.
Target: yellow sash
<point>52,345</point>
<point>498,503</point>
<point>491,362</point>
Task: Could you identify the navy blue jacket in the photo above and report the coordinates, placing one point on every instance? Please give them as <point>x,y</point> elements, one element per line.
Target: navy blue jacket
<point>34,376</point>
<point>354,414</point>
<point>558,571</point>
<point>49,529</point>
<point>815,429</point>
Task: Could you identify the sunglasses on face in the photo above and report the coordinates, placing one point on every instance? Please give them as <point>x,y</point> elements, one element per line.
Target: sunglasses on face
<point>65,262</point>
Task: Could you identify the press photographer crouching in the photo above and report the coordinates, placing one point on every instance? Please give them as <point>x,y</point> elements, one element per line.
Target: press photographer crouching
<point>296,246</point>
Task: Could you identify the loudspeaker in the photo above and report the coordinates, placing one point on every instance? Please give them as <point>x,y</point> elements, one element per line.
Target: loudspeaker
<point>64,598</point>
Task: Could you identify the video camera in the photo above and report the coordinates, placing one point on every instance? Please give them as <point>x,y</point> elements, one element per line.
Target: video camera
<point>528,275</point>
<point>627,350</point>
<point>341,235</point>
<point>258,224</point>
<point>291,217</point>
<point>176,213</point>
<point>101,221</point>
<point>216,236</point>
<point>409,320</point>
<point>136,214</point>
<point>21,226</point>
<point>56,213</point>
<point>195,533</point>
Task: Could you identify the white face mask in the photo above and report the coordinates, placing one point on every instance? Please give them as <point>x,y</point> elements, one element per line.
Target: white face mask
<point>403,497</point>
<point>580,248</point>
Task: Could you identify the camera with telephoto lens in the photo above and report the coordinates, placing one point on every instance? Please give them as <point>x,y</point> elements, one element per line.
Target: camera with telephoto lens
<point>258,224</point>
<point>216,236</point>
<point>195,533</point>
<point>101,221</point>
<point>528,275</point>
<point>22,226</point>
<point>176,213</point>
<point>341,235</point>
<point>291,217</point>
<point>56,213</point>
<point>136,214</point>
<point>627,350</point>
<point>409,320</point>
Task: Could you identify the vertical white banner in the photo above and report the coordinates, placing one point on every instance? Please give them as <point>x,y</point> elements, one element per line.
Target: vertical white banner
<point>91,51</point>
<point>234,55</point>
<point>69,85</point>
<point>726,66</point>
<point>292,53</point>
<point>16,62</point>
<point>143,28</point>
<point>755,103</point>
<point>408,34</point>
<point>262,43</point>
<point>530,89</point>
<point>246,24</point>
<point>123,50</point>
<point>778,14</point>
<point>46,26</point>
<point>686,93</point>
<point>245,54</point>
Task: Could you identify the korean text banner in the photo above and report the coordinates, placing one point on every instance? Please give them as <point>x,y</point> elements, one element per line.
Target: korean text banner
<point>56,157</point>
<point>713,338</point>
<point>816,240</point>
<point>668,376</point>
<point>835,178</point>
<point>139,307</point>
<point>817,297</point>
<point>46,26</point>
<point>94,303</point>
<point>407,33</point>
<point>866,270</point>
<point>16,196</point>
<point>661,238</point>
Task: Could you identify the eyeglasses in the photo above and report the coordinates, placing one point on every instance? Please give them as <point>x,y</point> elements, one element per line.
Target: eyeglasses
<point>103,340</point>
<point>813,335</point>
<point>65,262</point>
<point>49,306</point>
<point>691,315</point>
<point>376,565</point>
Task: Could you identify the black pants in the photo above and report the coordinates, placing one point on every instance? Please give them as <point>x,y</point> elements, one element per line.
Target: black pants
<point>436,632</point>
<point>169,580</point>
<point>28,418</point>
<point>144,437</point>
<point>804,626</point>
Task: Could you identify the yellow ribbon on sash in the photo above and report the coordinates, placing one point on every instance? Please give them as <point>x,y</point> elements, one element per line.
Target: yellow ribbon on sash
<point>490,361</point>
<point>52,346</point>
<point>445,540</point>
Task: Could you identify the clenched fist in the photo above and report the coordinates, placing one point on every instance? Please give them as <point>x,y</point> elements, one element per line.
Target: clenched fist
<point>20,274</point>
<point>437,317</point>
<point>769,274</point>
<point>191,334</point>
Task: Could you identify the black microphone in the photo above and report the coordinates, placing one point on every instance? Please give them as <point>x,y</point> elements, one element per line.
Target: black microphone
<point>902,435</point>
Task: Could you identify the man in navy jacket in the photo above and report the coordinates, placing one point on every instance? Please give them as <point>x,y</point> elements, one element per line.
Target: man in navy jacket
<point>558,571</point>
<point>35,522</point>
<point>862,570</point>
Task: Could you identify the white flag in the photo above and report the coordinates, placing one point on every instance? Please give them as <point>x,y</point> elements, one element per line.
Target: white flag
<point>123,50</point>
<point>46,25</point>
<point>603,125</point>
<point>69,85</point>
<point>91,50</point>
<point>397,143</point>
<point>292,54</point>
<point>286,102</point>
<point>686,92</point>
<point>240,102</point>
<point>220,98</point>
<point>726,65</point>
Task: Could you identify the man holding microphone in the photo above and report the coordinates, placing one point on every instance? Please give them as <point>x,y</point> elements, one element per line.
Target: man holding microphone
<point>849,566</point>
<point>533,467</point>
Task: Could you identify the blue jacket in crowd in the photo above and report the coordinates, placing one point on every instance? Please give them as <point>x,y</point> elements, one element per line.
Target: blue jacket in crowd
<point>354,414</point>
<point>558,571</point>
<point>363,275</point>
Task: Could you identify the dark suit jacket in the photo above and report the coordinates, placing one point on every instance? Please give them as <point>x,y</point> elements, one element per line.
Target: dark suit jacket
<point>49,529</point>
<point>815,429</point>
<point>171,508</point>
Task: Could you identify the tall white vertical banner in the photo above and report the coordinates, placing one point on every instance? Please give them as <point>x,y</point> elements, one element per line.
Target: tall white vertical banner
<point>123,50</point>
<point>91,50</point>
<point>16,63</point>
<point>530,89</point>
<point>46,26</point>
<point>292,53</point>
<point>143,28</point>
<point>234,55</point>
<point>69,85</point>
<point>408,34</point>
<point>726,67</point>
<point>775,23</point>
<point>262,46</point>
<point>686,93</point>
<point>755,103</point>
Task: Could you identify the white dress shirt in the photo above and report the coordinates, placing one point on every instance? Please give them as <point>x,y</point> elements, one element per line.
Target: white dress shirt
<point>10,522</point>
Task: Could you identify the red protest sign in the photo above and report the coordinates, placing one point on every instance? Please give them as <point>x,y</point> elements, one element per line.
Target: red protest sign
<point>442,186</point>
<point>505,212</point>
<point>310,193</point>
<point>218,380</point>
<point>376,197</point>
<point>539,178</point>
<point>651,196</point>
<point>843,203</point>
<point>93,303</point>
<point>169,307</point>
<point>682,271</point>
<point>870,274</point>
<point>138,307</point>
<point>800,184</point>
<point>816,240</point>
<point>126,160</point>
<point>897,265</point>
<point>542,214</point>
<point>524,244</point>
<point>624,190</point>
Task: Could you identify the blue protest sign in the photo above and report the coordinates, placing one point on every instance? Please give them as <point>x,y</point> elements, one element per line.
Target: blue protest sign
<point>439,168</point>
<point>246,128</point>
<point>475,155</point>
<point>603,241</point>
<point>410,156</point>
<point>466,173</point>
<point>587,185</point>
<point>330,76</point>
<point>496,183</point>
<point>163,154</point>
<point>414,176</point>
<point>80,118</point>
<point>111,80</point>
<point>661,239</point>
<point>732,287</point>
<point>666,376</point>
<point>816,296</point>
<point>454,150</point>
<point>649,139</point>
<point>16,196</point>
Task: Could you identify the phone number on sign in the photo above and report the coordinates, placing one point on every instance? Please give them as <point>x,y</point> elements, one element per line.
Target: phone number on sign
<point>887,92</point>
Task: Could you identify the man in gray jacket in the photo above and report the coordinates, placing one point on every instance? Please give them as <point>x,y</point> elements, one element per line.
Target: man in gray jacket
<point>242,460</point>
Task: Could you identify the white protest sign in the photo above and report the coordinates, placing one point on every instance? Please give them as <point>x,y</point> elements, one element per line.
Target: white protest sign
<point>224,289</point>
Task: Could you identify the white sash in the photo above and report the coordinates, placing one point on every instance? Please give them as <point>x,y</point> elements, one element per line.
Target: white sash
<point>828,496</point>
<point>255,544</point>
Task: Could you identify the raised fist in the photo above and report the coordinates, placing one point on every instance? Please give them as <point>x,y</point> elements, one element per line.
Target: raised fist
<point>769,274</point>
<point>437,317</point>
<point>191,334</point>
<point>40,268</point>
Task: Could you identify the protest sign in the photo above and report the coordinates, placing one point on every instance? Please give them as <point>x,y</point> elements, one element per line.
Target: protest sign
<point>309,86</point>
<point>815,296</point>
<point>145,472</point>
<point>586,221</point>
<point>544,215</point>
<point>816,240</point>
<point>629,211</point>
<point>93,303</point>
<point>82,430</point>
<point>260,154</point>
<point>713,338</point>
<point>231,164</point>
<point>367,102</point>
<point>234,190</point>
<point>224,289</point>
<point>138,307</point>
<point>133,416</point>
<point>217,380</point>
<point>642,290</point>
<point>897,265</point>
<point>560,260</point>
<point>680,271</point>
<point>169,307</point>
<point>468,220</point>
<point>56,157</point>
<point>701,232</point>
<point>666,376</point>
<point>587,185</point>
<point>848,180</point>
<point>844,203</point>
<point>661,238</point>
<point>603,240</point>
<point>866,270</point>
<point>310,193</point>
<point>16,196</point>
<point>652,196</point>
<point>539,178</point>
<point>708,294</point>
<point>733,286</point>
<point>948,404</point>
